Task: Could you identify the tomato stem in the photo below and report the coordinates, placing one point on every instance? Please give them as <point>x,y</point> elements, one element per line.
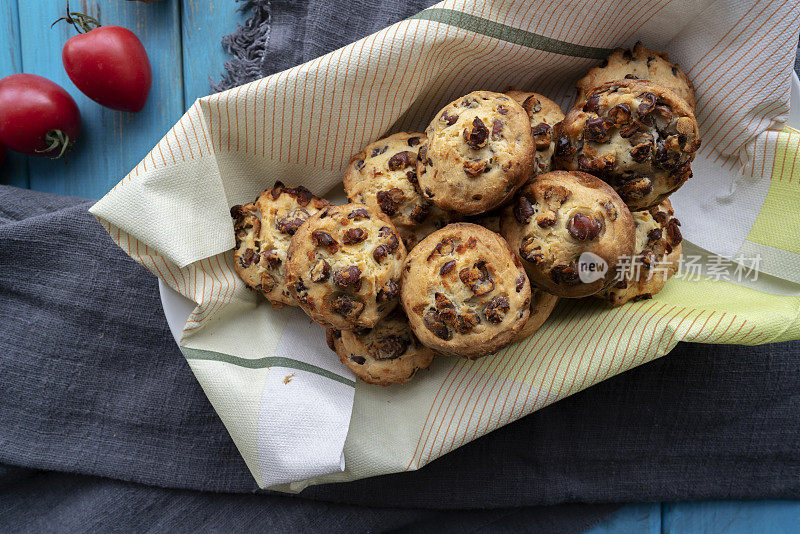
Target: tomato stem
<point>58,141</point>
<point>82,22</point>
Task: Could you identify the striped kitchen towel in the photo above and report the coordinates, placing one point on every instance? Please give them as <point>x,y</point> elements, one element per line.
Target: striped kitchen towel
<point>295,413</point>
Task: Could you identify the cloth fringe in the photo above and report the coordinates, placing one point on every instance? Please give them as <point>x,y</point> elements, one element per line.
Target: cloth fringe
<point>247,44</point>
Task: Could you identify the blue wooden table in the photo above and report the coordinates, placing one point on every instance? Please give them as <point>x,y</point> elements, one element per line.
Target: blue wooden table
<point>182,39</point>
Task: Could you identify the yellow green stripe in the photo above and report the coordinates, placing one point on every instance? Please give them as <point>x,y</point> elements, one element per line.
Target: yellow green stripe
<point>777,224</point>
<point>261,363</point>
<point>509,33</point>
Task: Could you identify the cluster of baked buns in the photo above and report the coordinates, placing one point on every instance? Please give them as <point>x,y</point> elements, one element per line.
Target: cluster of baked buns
<point>460,240</point>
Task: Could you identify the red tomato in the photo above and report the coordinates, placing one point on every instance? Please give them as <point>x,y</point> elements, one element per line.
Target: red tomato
<point>37,116</point>
<point>109,65</point>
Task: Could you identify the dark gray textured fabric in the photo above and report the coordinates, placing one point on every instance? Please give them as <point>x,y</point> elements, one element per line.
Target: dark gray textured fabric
<point>103,505</point>
<point>280,34</point>
<point>92,383</point>
<point>797,59</point>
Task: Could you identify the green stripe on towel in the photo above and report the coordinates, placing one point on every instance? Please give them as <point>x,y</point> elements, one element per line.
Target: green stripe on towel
<point>509,33</point>
<point>261,363</point>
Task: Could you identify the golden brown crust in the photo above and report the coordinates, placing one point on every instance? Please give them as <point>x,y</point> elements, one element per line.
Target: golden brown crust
<point>437,220</point>
<point>343,266</point>
<point>543,114</point>
<point>656,257</point>
<point>557,218</point>
<point>263,232</point>
<point>642,63</point>
<point>465,292</point>
<point>542,305</point>
<point>383,176</point>
<point>639,137</point>
<point>388,354</point>
<point>479,150</point>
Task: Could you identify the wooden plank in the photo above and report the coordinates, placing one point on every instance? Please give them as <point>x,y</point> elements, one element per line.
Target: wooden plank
<point>204,24</point>
<point>634,518</point>
<point>732,517</point>
<point>10,57</point>
<point>15,169</point>
<point>113,142</point>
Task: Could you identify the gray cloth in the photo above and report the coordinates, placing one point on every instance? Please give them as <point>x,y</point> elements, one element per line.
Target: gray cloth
<point>32,501</point>
<point>280,34</point>
<point>93,384</point>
